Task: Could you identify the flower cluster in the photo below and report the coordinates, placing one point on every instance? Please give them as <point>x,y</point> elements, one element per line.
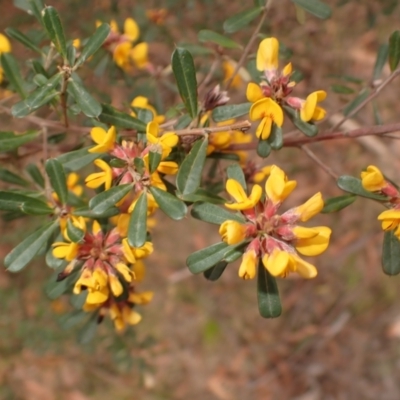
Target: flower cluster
<point>108,268</point>
<point>373,180</point>
<point>274,239</point>
<point>121,45</point>
<point>274,91</point>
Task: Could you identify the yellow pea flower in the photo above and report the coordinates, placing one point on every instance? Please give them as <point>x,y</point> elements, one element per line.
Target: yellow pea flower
<point>247,269</point>
<point>139,55</point>
<point>131,29</point>
<point>96,179</point>
<point>229,67</point>
<point>243,202</point>
<point>254,92</point>
<point>390,219</point>
<point>372,179</point>
<point>261,174</point>
<point>313,245</point>
<point>277,263</point>
<point>5,45</point>
<point>267,54</point>
<point>269,112</point>
<point>143,102</point>
<point>165,142</point>
<point>105,140</point>
<point>277,186</point>
<point>310,110</point>
<point>232,232</point>
<point>310,208</point>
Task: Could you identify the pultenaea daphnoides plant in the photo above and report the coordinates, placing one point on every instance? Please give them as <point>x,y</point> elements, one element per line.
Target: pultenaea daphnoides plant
<point>98,188</point>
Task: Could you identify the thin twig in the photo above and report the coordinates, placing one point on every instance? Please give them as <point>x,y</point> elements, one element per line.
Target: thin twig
<point>249,45</point>
<point>374,94</point>
<point>209,75</point>
<point>315,158</point>
<point>238,126</point>
<point>299,141</point>
<point>45,156</point>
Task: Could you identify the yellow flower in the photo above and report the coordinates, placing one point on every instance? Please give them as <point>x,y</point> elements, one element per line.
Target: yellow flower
<point>280,264</point>
<point>254,92</point>
<point>72,184</point>
<point>269,112</point>
<point>316,242</point>
<point>121,54</point>
<point>309,108</point>
<point>165,142</point>
<point>5,45</point>
<point>139,55</point>
<point>68,251</point>
<point>123,315</point>
<point>95,180</point>
<point>131,29</point>
<point>105,140</point>
<point>311,207</point>
<point>277,186</point>
<point>372,179</point>
<point>247,269</point>
<point>261,174</point>
<point>267,54</point>
<point>143,102</point>
<point>77,43</point>
<point>132,253</point>
<point>96,284</point>
<point>232,232</point>
<point>390,220</point>
<point>243,202</point>
<point>229,67</point>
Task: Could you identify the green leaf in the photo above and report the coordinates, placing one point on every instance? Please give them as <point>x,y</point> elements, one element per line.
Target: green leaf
<point>89,106</point>
<point>36,207</point>
<point>308,129</point>
<point>11,201</point>
<point>341,89</point>
<point>32,7</point>
<point>263,148</point>
<point>335,204</point>
<point>195,49</point>
<point>380,62</point>
<point>173,207</point>
<point>58,179</point>
<point>224,113</point>
<point>154,160</point>
<point>206,35</point>
<point>74,233</point>
<point>235,172</point>
<point>391,254</point>
<point>189,175</point>
<point>21,255</point>
<point>54,288</point>
<point>35,174</point>
<point>25,40</point>
<point>213,214</point>
<point>235,253</point>
<point>88,331</point>
<point>52,24</point>
<point>12,72</point>
<point>37,98</point>
<point>183,122</point>
<point>394,50</point>
<point>204,259</point>
<point>137,231</point>
<point>353,185</point>
<point>185,75</point>
<point>215,272</point>
<point>315,7</point>
<point>107,199</point>
<point>71,54</point>
<point>71,319</point>
<point>111,116</point>
<point>77,159</point>
<point>93,44</point>
<point>87,213</point>
<point>202,195</point>
<point>356,101</point>
<point>53,262</point>
<point>10,177</point>
<point>269,303</point>
<point>275,138</point>
<point>9,141</point>
<point>241,20</point>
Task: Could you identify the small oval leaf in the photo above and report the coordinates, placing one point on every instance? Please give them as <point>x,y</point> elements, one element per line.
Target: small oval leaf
<point>137,231</point>
<point>241,20</point>
<point>353,185</point>
<point>213,214</point>
<point>269,303</point>
<point>109,198</point>
<point>204,259</point>
<point>223,113</point>
<point>335,204</point>
<point>58,179</point>
<point>172,206</point>
<point>52,24</point>
<point>391,254</point>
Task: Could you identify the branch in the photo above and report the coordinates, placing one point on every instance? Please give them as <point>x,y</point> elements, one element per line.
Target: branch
<point>374,94</point>
<point>299,141</point>
<point>238,126</point>
<point>247,49</point>
<point>315,158</point>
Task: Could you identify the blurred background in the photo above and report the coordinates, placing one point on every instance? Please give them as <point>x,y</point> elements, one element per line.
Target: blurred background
<point>339,335</point>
